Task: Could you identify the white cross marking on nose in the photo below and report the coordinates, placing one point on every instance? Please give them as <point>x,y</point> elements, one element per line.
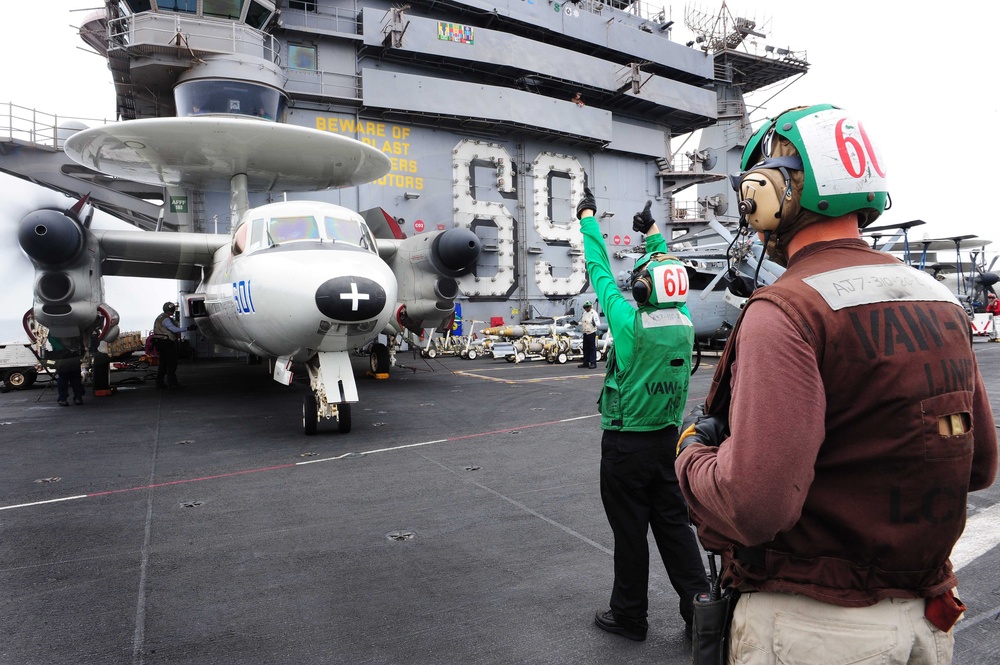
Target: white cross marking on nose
<point>354,296</point>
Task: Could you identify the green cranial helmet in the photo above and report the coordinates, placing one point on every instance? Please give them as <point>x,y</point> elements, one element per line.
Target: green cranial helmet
<point>659,280</point>
<point>843,170</point>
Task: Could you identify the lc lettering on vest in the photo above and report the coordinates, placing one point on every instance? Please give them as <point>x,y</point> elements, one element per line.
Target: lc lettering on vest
<point>858,423</point>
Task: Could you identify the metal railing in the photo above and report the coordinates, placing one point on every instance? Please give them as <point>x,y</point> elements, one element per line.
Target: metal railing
<point>39,129</point>
<point>158,31</point>
<point>323,84</point>
<point>653,12</point>
<point>331,19</point>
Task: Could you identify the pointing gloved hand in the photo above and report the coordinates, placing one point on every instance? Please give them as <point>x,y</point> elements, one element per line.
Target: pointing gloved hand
<point>641,221</point>
<point>700,428</point>
<point>192,327</point>
<point>586,203</point>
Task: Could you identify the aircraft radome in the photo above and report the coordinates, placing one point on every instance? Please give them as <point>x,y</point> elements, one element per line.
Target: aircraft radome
<point>296,282</point>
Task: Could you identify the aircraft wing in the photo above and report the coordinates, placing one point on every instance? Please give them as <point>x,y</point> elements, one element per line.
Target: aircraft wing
<point>162,255</point>
<point>71,259</point>
<point>893,227</point>
<point>946,244</point>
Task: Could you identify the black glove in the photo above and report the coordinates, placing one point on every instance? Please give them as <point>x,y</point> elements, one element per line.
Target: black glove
<point>192,327</point>
<point>586,203</point>
<point>699,428</point>
<point>641,221</point>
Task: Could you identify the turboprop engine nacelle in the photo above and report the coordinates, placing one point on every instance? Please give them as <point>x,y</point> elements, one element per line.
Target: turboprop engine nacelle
<point>68,291</point>
<point>426,268</point>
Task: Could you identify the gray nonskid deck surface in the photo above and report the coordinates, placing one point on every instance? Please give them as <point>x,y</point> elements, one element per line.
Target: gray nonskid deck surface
<point>201,526</point>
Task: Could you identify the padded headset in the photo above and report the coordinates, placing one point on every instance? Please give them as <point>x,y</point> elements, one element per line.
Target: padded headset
<point>642,280</point>
<point>763,191</point>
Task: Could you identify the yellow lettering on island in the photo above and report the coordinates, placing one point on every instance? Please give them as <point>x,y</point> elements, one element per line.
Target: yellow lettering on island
<point>351,126</point>
<point>395,148</point>
<point>369,133</point>
<point>407,181</point>
<point>404,165</point>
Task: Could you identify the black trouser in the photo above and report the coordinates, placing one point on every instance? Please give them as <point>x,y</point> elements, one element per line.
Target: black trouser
<point>68,376</point>
<point>166,349</point>
<point>590,349</point>
<point>640,491</point>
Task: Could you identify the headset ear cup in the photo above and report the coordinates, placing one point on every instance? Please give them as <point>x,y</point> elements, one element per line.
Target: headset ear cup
<point>641,289</point>
<point>760,198</point>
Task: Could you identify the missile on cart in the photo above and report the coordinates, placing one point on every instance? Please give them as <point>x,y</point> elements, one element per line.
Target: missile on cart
<point>517,331</point>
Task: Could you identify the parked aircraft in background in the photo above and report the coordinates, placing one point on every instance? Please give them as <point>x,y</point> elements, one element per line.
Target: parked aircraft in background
<point>296,282</point>
<point>971,288</point>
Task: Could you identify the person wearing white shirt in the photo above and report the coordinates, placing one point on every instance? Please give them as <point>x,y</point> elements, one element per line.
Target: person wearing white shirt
<point>589,322</point>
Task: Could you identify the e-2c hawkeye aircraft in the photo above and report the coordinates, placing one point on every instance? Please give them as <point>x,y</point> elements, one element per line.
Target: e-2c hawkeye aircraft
<point>295,282</point>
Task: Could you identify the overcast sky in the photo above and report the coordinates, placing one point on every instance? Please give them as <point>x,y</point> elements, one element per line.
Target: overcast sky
<point>920,79</point>
<point>918,75</point>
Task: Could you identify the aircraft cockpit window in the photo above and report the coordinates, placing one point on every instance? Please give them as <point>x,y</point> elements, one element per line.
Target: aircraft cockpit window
<point>367,239</point>
<point>285,229</point>
<point>257,234</point>
<point>350,231</point>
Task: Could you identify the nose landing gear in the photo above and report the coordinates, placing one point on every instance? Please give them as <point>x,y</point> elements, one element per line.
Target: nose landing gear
<point>331,391</point>
<point>315,409</point>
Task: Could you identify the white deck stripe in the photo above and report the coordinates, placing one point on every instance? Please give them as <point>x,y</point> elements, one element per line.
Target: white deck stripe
<point>982,534</point>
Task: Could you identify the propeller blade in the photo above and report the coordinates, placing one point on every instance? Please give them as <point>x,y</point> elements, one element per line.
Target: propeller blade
<point>705,292</point>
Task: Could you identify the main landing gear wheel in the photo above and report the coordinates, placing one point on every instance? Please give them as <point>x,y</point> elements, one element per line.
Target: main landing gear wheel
<point>379,359</point>
<point>344,417</point>
<point>310,414</point>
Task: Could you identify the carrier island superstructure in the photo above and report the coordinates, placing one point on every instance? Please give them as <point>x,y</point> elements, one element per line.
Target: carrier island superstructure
<point>476,103</point>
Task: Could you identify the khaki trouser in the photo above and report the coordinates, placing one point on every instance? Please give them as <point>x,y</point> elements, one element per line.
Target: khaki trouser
<point>786,629</point>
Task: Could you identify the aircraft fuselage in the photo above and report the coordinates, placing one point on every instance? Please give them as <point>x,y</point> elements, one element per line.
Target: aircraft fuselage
<point>298,295</point>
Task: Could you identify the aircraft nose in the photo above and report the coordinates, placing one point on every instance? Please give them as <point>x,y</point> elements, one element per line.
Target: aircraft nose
<point>350,298</point>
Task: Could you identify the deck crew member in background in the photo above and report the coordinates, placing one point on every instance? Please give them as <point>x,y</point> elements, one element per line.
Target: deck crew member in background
<point>589,323</point>
<point>993,309</point>
<point>165,336</point>
<point>857,420</point>
<point>642,404</point>
<point>66,354</point>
